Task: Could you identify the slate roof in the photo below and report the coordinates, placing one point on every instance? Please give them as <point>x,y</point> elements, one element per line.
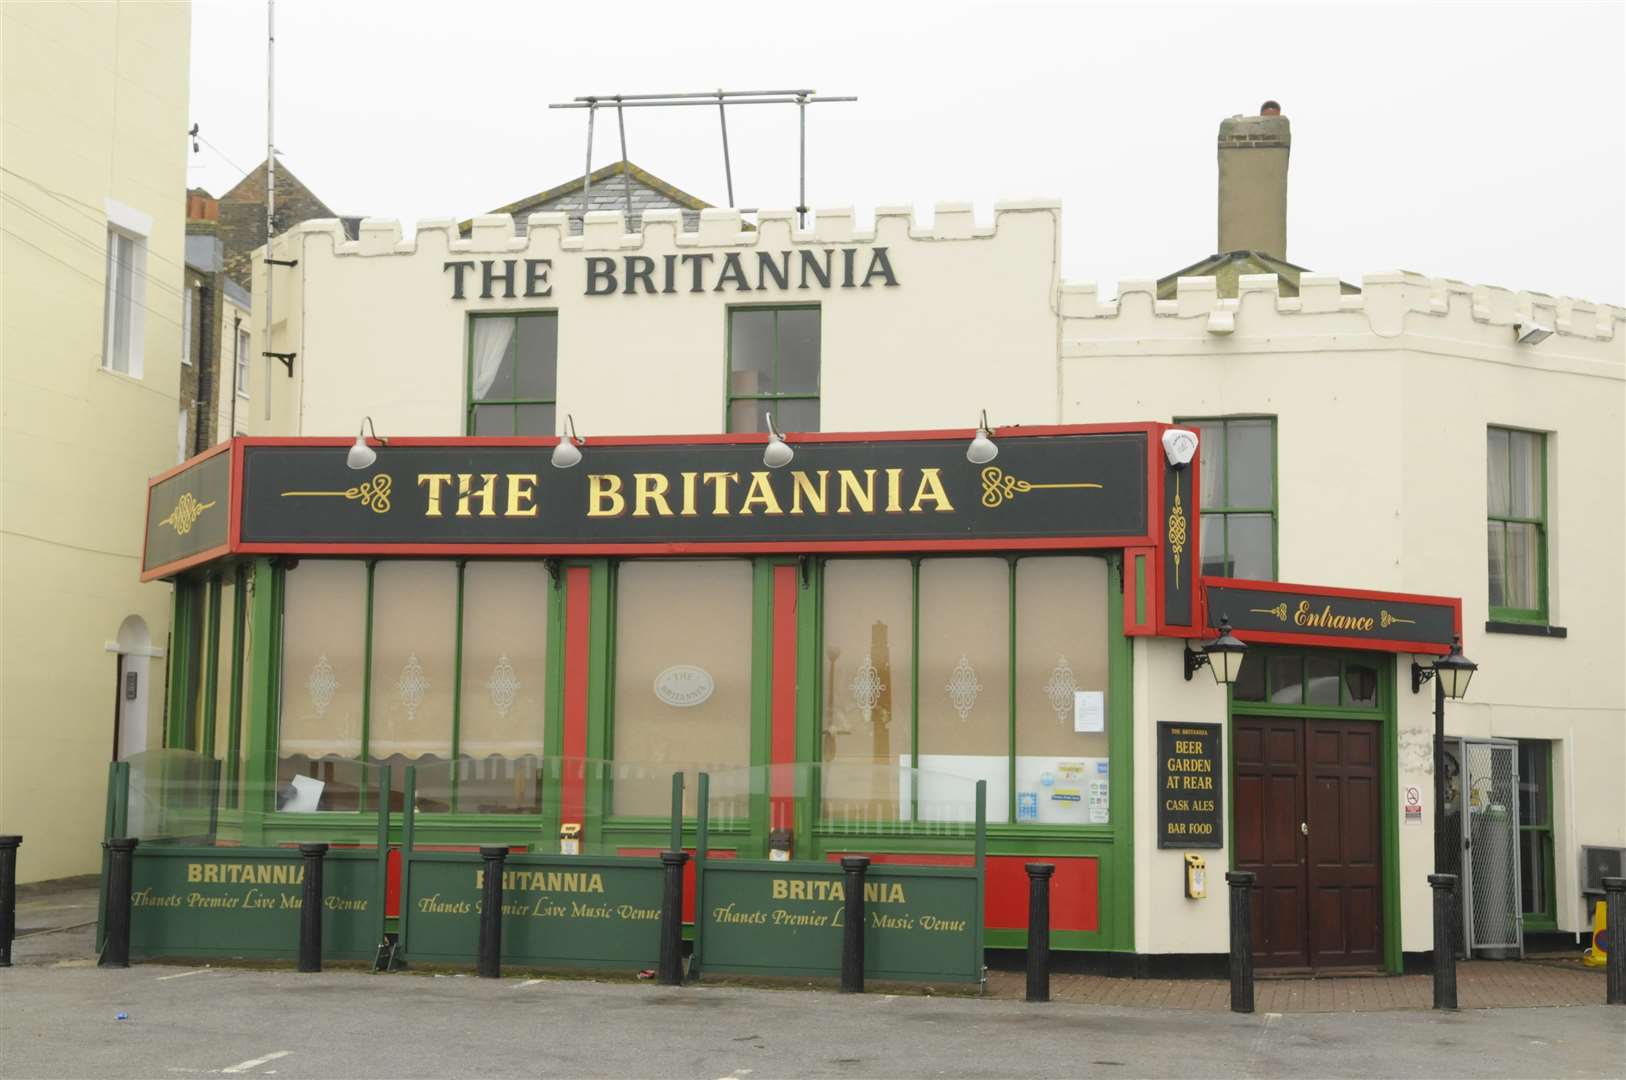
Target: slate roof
<point>1227,266</point>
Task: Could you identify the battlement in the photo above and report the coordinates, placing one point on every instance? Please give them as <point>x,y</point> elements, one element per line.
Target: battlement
<point>1384,303</point>
<point>606,231</point>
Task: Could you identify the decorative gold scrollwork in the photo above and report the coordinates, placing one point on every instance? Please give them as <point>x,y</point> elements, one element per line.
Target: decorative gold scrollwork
<point>186,513</point>
<point>998,486</point>
<point>373,494</point>
<point>1177,531</point>
<point>1280,611</point>
<point>1386,620</point>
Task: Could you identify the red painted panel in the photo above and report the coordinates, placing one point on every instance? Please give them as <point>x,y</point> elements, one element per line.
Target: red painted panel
<point>782,742</point>
<point>578,610</point>
<point>392,884</point>
<point>688,872</point>
<point>1075,890</point>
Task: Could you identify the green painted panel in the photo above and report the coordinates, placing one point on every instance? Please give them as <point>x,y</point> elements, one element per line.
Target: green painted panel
<point>774,918</point>
<point>557,910</point>
<point>192,901</point>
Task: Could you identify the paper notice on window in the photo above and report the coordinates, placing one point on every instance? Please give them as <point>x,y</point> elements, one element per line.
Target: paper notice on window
<point>1089,711</point>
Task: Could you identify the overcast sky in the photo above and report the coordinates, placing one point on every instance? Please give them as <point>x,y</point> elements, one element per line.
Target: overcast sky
<point>1484,142</point>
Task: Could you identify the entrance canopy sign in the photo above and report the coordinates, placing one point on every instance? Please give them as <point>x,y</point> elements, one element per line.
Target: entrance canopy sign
<point>1276,613</point>
<point>1054,487</point>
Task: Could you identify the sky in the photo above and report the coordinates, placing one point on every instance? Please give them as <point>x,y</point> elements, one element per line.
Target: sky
<point>1482,142</point>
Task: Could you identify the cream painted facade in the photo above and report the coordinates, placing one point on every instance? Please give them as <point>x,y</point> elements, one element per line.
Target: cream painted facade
<point>94,110</point>
<point>1381,401</point>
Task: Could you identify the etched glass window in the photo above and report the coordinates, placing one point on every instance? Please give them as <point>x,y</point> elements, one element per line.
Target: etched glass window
<point>867,669</point>
<point>504,691</point>
<point>414,655</point>
<point>683,657</point>
<point>1061,691</point>
<point>965,674</point>
<point>324,641</point>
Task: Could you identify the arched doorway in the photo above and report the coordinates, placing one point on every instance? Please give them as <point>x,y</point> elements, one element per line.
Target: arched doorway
<point>133,688</point>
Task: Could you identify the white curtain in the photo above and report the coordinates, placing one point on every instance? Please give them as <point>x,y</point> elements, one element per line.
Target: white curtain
<point>1211,444</point>
<point>491,338</point>
<point>1496,461</point>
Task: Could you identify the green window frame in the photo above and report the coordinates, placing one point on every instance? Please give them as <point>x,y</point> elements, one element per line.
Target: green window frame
<point>1224,509</point>
<point>801,417</point>
<point>200,660</point>
<point>1504,521</point>
<point>1538,902</point>
<point>532,410</point>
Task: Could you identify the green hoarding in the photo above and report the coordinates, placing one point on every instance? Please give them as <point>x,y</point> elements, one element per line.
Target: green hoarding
<point>776,918</point>
<point>558,910</point>
<point>209,901</point>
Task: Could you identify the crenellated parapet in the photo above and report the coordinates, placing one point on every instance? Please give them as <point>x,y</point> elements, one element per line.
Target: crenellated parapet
<point>719,229</point>
<point>1389,304</point>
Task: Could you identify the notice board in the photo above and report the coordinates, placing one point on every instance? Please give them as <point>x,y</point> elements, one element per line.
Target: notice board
<point>1190,796</point>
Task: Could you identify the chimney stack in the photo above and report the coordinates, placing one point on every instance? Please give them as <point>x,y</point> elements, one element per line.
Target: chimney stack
<point>1253,181</point>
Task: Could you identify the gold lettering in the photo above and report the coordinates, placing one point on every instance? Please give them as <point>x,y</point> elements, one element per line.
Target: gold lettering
<point>931,487</point>
<point>761,493</point>
<point>194,872</point>
<point>864,496</point>
<point>435,482</point>
<point>649,488</point>
<point>894,500</point>
<point>604,495</point>
<point>719,482</point>
<point>779,890</point>
<point>800,485</point>
<point>521,495</point>
<point>487,495</point>
<point>688,495</point>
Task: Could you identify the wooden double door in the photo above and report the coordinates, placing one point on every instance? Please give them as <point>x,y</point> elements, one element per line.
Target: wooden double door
<point>1308,824</point>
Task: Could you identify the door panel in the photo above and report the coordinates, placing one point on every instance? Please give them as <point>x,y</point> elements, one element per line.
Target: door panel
<point>1343,870</point>
<point>1319,900</point>
<point>1268,771</point>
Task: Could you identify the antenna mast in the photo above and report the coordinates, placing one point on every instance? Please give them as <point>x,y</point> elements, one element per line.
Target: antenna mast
<point>270,180</point>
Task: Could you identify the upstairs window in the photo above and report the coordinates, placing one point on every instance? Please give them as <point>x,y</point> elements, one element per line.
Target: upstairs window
<point>773,367</point>
<point>242,363</point>
<point>1516,528</point>
<point>124,302</point>
<point>513,374</point>
<point>1238,495</point>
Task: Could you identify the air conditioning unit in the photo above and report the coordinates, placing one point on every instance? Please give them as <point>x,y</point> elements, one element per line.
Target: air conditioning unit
<point>1598,863</point>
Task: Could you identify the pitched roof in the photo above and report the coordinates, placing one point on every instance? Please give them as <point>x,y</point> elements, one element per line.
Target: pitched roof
<point>601,178</point>
<point>1227,266</point>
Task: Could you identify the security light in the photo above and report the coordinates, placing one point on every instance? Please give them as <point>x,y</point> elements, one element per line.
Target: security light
<point>1530,332</point>
<point>983,448</point>
<point>362,456</point>
<point>568,452</point>
<point>778,453</point>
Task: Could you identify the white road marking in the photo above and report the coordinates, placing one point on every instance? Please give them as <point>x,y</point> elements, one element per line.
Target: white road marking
<point>182,974</point>
<point>529,982</point>
<point>254,1063</point>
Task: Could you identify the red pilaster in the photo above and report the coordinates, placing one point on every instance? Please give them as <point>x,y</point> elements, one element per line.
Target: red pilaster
<point>782,743</point>
<point>578,612</point>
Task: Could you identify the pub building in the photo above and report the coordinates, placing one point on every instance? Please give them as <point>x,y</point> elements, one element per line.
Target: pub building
<point>993,529</point>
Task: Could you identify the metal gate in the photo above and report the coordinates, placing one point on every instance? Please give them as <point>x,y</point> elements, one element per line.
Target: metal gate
<point>1482,812</point>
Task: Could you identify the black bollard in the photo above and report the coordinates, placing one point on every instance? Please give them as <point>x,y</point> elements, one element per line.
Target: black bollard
<point>8,895</point>
<point>121,853</point>
<point>489,964</point>
<point>1445,953</point>
<point>1039,930</point>
<point>671,965</point>
<point>852,930</point>
<point>311,905</point>
<point>1614,889</point>
<point>1241,883</point>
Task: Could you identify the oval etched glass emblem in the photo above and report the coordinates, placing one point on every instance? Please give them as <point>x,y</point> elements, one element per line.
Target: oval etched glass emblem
<point>684,685</point>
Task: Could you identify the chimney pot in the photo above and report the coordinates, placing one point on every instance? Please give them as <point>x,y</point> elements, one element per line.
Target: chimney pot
<point>1253,153</point>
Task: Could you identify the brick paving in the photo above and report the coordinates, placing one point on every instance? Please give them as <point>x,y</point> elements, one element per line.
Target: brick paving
<point>1481,984</point>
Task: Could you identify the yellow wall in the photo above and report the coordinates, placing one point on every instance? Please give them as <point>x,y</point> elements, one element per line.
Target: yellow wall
<point>95,106</point>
